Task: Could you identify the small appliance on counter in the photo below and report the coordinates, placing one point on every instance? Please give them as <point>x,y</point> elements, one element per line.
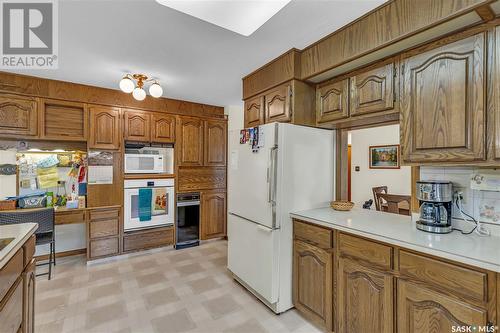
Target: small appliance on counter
<point>435,201</point>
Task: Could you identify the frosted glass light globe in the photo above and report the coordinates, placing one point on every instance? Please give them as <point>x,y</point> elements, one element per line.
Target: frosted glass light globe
<point>127,85</point>
<point>139,94</point>
<point>155,90</point>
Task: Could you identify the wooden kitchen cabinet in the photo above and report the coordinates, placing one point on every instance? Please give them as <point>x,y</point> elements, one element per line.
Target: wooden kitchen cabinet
<point>213,214</point>
<point>313,283</point>
<point>162,128</point>
<point>277,105</point>
<point>494,114</point>
<point>332,101</point>
<point>29,282</point>
<point>215,142</point>
<point>63,120</point>
<point>421,310</point>
<point>190,141</point>
<point>18,116</point>
<point>105,129</point>
<point>443,102</point>
<point>364,298</point>
<point>372,90</point>
<point>254,111</point>
<point>137,126</point>
<point>103,231</point>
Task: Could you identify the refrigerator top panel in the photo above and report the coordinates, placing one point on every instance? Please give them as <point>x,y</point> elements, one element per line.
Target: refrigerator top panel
<point>250,177</point>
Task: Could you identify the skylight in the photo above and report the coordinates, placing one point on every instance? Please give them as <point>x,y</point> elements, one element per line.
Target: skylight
<point>241,16</point>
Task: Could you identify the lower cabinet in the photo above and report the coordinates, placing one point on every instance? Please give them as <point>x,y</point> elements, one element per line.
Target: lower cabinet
<point>213,214</point>
<point>313,283</point>
<point>364,298</point>
<point>421,310</point>
<point>29,281</point>
<point>103,232</point>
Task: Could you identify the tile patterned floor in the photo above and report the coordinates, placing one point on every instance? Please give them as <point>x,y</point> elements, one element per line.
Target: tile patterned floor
<point>161,291</point>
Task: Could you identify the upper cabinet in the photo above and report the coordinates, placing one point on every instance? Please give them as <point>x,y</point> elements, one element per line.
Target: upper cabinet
<point>332,101</point>
<point>494,115</point>
<point>18,116</point>
<point>105,129</point>
<point>162,128</point>
<point>277,104</point>
<point>201,142</point>
<point>137,125</point>
<point>254,111</point>
<point>292,102</point>
<point>190,141</point>
<point>61,120</point>
<point>373,90</point>
<point>442,102</point>
<point>215,142</point>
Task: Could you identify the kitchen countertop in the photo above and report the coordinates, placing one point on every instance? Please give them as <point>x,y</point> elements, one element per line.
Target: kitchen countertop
<point>474,250</point>
<point>20,232</point>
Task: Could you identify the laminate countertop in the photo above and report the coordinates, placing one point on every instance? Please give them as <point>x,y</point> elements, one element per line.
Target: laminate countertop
<point>399,230</point>
<point>21,233</point>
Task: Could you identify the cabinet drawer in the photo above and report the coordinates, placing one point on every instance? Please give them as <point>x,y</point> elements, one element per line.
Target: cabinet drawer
<point>103,228</point>
<point>312,234</point>
<point>11,309</point>
<point>148,239</point>
<point>201,178</point>
<point>455,278</point>
<point>29,250</point>
<point>374,253</point>
<point>68,217</point>
<point>103,247</point>
<point>10,272</point>
<point>103,214</point>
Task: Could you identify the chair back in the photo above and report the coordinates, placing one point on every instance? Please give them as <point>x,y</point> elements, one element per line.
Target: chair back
<point>393,201</point>
<point>44,217</point>
<point>376,191</point>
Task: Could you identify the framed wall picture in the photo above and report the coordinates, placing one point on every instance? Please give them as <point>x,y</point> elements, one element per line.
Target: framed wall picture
<point>384,157</point>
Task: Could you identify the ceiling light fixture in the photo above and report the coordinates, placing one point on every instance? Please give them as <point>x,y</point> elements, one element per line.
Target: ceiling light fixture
<point>127,85</point>
<point>242,16</point>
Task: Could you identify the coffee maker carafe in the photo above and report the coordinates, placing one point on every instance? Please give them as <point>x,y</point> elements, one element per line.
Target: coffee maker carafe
<point>435,199</point>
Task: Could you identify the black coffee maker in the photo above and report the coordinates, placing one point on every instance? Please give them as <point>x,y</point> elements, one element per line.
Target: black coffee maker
<point>435,199</point>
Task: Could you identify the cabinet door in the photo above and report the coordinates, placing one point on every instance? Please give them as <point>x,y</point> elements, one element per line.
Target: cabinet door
<point>442,109</point>
<point>365,299</point>
<point>29,280</point>
<point>190,141</point>
<point>423,311</point>
<point>215,142</point>
<point>18,116</point>
<point>332,101</point>
<point>105,127</point>
<point>163,128</point>
<point>61,120</point>
<point>313,283</point>
<point>277,104</point>
<point>373,90</point>
<point>213,215</point>
<point>137,126</point>
<point>494,120</point>
<point>254,111</point>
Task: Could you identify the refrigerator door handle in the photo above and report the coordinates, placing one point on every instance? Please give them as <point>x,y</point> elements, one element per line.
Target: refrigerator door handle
<point>271,195</point>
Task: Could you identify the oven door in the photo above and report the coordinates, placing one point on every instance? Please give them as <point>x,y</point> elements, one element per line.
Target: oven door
<point>162,210</point>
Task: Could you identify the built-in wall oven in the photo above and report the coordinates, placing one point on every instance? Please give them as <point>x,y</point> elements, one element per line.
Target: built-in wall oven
<point>188,220</point>
<point>148,203</point>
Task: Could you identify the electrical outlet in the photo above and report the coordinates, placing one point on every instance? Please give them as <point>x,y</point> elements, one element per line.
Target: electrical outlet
<point>459,194</point>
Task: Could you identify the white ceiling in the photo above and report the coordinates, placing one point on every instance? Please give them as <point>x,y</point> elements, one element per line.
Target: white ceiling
<point>101,40</point>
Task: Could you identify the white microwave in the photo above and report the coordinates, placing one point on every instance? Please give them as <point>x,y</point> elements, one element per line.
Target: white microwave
<point>150,163</point>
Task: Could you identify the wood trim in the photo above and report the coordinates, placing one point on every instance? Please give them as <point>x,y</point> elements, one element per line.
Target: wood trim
<point>415,176</point>
<point>62,254</point>
<point>485,12</point>
<point>68,91</point>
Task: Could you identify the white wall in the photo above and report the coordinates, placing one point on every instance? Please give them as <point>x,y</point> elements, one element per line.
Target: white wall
<point>235,117</point>
<point>398,181</point>
<point>7,183</point>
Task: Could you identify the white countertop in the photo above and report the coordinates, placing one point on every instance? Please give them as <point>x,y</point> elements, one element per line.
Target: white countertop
<point>20,232</point>
<point>474,250</point>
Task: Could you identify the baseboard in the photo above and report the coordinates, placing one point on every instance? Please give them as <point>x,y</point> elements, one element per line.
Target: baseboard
<point>63,254</point>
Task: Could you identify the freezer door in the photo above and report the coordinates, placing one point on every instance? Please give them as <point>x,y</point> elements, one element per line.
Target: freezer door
<point>252,178</point>
<point>253,254</point>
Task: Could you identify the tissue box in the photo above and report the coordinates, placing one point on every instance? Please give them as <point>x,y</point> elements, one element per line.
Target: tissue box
<point>72,204</point>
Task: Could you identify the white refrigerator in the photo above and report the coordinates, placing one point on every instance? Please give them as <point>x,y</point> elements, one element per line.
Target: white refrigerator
<point>292,171</point>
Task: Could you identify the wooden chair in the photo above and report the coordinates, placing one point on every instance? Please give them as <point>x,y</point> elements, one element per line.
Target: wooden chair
<point>377,190</point>
<point>393,203</point>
